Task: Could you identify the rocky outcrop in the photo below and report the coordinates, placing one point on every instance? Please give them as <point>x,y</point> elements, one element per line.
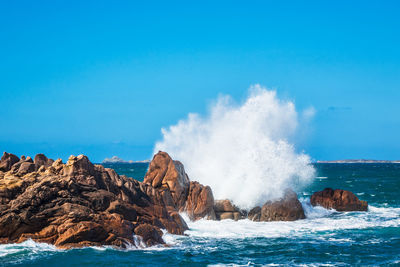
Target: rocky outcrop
<point>199,202</point>
<point>224,209</point>
<point>7,161</point>
<point>288,208</point>
<point>42,160</point>
<point>79,204</point>
<point>340,200</point>
<point>170,180</point>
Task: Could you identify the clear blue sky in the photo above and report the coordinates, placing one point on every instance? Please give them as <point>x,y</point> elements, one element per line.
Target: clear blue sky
<point>102,77</point>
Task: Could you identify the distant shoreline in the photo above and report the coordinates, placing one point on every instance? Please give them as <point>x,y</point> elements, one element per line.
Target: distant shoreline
<point>357,161</point>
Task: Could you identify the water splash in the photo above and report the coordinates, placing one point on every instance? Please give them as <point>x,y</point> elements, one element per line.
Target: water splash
<point>242,150</point>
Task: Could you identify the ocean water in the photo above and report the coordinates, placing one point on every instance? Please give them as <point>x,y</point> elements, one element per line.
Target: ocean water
<point>324,238</point>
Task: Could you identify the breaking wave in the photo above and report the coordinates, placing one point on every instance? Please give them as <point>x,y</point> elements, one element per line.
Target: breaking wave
<point>242,151</point>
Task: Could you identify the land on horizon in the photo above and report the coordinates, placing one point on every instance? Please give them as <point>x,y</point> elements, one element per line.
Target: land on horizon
<point>116,159</point>
<point>357,161</point>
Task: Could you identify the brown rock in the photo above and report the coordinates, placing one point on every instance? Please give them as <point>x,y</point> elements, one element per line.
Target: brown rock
<point>169,179</point>
<point>224,205</point>
<point>288,208</point>
<point>224,209</point>
<point>150,234</point>
<point>340,200</point>
<point>168,173</point>
<point>26,167</point>
<point>42,160</point>
<point>255,214</point>
<point>80,204</point>
<point>7,161</point>
<point>199,202</point>
<point>225,215</point>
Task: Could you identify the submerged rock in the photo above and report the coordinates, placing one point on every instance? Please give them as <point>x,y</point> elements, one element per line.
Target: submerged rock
<point>288,208</point>
<point>340,200</point>
<point>79,204</point>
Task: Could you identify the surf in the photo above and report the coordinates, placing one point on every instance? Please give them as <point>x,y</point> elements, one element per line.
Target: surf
<point>244,151</point>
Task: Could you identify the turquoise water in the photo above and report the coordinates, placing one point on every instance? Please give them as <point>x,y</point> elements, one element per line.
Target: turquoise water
<point>324,238</point>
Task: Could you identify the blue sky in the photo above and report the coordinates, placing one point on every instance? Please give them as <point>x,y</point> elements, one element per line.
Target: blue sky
<point>102,77</point>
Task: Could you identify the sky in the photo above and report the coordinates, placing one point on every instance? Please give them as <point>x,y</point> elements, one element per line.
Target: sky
<point>103,77</point>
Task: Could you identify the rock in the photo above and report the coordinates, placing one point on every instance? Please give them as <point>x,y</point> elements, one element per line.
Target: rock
<point>340,200</point>
<point>224,209</point>
<point>224,205</point>
<point>200,201</point>
<point>168,173</point>
<point>7,161</point>
<point>80,204</point>
<point>169,179</point>
<point>26,167</point>
<point>287,208</point>
<point>225,215</point>
<point>150,234</point>
<point>42,160</point>
<point>255,214</point>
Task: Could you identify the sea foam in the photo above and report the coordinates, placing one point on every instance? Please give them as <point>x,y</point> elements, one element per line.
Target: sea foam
<point>318,220</point>
<point>242,151</point>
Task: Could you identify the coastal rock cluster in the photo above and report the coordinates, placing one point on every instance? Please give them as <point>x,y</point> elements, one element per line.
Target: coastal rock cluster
<point>81,204</point>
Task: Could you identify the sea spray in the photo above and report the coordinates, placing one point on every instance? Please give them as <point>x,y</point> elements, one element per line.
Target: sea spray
<point>241,150</point>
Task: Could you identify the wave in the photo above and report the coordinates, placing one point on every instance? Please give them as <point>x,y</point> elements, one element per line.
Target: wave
<point>320,224</point>
<point>317,220</point>
<point>242,144</point>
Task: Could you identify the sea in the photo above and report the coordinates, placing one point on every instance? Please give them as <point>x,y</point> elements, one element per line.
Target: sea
<point>324,238</point>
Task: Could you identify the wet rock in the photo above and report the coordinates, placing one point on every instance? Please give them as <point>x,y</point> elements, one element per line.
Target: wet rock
<point>340,200</point>
<point>200,201</point>
<point>150,234</point>
<point>255,214</point>
<point>288,208</point>
<point>224,209</point>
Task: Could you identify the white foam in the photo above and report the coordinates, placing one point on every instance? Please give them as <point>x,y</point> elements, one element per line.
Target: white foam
<point>243,152</point>
<point>318,220</point>
<point>28,245</point>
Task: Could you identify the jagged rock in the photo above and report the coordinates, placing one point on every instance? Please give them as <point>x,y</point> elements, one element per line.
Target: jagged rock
<point>224,209</point>
<point>26,167</point>
<point>287,208</point>
<point>169,179</point>
<point>200,201</point>
<point>7,160</point>
<point>168,173</point>
<point>255,214</point>
<point>42,160</point>
<point>150,234</point>
<point>340,200</point>
<point>80,204</point>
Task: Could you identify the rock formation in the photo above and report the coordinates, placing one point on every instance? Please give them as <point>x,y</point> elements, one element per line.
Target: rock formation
<point>340,200</point>
<point>80,204</point>
<point>288,208</point>
<point>224,209</point>
<point>170,180</point>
